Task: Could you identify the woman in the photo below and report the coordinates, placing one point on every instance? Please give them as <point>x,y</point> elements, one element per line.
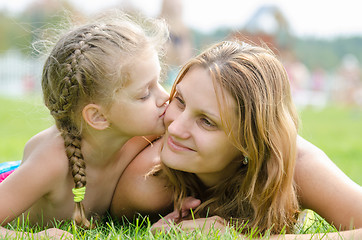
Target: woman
<point>232,142</point>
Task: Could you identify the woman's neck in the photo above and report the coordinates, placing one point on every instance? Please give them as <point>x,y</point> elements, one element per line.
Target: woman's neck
<point>212,179</point>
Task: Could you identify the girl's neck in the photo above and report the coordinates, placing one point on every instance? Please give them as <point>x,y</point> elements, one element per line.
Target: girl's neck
<point>101,149</point>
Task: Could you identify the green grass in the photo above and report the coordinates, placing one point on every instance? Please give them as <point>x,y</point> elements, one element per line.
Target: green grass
<point>336,130</point>
<point>140,228</point>
<point>20,119</point>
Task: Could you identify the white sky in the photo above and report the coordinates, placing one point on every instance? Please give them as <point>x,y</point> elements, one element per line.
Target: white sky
<point>320,18</point>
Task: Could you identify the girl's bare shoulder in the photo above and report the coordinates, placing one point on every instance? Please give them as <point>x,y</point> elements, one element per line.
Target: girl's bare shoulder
<point>47,149</point>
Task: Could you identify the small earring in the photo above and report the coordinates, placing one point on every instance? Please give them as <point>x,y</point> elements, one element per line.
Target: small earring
<point>245,160</point>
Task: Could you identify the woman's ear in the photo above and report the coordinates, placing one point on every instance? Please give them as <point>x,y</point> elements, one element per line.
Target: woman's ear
<point>93,115</point>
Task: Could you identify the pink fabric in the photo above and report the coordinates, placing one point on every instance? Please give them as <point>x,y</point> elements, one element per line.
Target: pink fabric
<point>5,175</point>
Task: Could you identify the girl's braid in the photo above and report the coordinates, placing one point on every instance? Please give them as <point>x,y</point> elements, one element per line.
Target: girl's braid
<point>62,108</point>
<point>71,134</point>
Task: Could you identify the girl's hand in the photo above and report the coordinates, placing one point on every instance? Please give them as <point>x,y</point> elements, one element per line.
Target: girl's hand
<point>54,233</point>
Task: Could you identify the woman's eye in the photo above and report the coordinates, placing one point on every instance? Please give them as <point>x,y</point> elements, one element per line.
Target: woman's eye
<point>208,124</point>
<point>180,101</point>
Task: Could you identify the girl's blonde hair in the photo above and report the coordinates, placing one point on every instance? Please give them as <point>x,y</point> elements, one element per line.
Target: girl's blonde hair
<point>261,194</point>
<point>88,65</point>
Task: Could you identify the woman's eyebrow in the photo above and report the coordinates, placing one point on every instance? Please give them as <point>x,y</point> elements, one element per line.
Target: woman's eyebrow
<point>178,90</point>
<point>216,117</point>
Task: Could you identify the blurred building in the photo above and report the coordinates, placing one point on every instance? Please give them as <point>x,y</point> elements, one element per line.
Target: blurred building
<point>268,26</point>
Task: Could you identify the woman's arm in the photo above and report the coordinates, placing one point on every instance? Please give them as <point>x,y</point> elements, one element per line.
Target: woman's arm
<point>325,189</point>
<point>344,235</point>
<point>218,224</point>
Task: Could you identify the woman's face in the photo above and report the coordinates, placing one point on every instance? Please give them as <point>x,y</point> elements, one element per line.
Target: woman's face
<point>195,140</point>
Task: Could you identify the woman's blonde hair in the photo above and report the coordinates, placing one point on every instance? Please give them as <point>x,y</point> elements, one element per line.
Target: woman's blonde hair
<point>88,64</point>
<point>261,193</point>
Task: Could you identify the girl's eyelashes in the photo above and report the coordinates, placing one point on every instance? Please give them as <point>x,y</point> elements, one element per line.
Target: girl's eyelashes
<point>146,96</point>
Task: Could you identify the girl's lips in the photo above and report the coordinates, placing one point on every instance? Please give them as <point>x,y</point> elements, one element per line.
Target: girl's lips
<point>164,112</point>
<point>176,146</point>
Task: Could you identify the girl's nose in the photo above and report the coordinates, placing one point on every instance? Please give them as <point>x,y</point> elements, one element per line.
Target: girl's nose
<point>163,96</point>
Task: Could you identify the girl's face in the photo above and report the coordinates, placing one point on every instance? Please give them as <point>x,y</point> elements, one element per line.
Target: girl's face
<point>195,140</point>
<point>139,107</point>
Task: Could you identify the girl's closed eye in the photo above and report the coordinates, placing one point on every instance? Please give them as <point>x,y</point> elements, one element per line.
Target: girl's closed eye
<point>145,96</point>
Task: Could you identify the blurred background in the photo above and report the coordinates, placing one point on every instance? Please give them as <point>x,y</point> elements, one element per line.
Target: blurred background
<point>319,43</point>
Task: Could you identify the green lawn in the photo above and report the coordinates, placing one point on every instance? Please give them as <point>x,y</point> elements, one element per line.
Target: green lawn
<point>338,132</point>
<point>20,119</point>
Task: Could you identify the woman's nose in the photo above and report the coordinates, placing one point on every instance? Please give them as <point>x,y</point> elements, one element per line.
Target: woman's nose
<point>180,127</point>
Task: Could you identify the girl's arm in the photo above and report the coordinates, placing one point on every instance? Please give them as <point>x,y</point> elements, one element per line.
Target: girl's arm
<point>325,189</point>
<point>216,223</point>
<point>40,172</point>
<point>52,233</point>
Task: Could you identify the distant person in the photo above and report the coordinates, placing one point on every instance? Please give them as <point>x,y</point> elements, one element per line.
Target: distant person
<point>349,88</point>
<point>179,48</point>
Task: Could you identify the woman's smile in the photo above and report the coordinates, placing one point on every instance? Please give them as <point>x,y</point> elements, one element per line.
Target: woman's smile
<point>176,146</point>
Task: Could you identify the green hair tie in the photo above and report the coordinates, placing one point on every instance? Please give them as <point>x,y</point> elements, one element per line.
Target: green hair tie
<point>78,194</point>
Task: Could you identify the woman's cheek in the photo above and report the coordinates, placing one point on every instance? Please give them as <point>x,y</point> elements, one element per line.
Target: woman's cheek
<point>170,114</point>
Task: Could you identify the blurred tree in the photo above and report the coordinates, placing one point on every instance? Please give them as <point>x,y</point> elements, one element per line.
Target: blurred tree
<point>22,30</point>
<point>327,54</point>
<point>13,34</point>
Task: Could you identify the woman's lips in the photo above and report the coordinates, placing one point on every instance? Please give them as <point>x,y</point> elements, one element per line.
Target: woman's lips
<point>176,146</point>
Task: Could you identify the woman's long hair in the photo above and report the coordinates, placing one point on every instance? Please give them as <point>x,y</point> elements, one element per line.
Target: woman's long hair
<point>261,194</point>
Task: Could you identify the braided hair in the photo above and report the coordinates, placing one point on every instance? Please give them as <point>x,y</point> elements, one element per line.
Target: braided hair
<point>87,65</point>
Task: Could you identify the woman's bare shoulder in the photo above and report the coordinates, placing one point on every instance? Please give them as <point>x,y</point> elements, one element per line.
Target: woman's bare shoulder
<point>306,150</point>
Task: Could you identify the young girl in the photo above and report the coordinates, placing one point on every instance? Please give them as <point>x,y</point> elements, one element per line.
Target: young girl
<point>101,85</point>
